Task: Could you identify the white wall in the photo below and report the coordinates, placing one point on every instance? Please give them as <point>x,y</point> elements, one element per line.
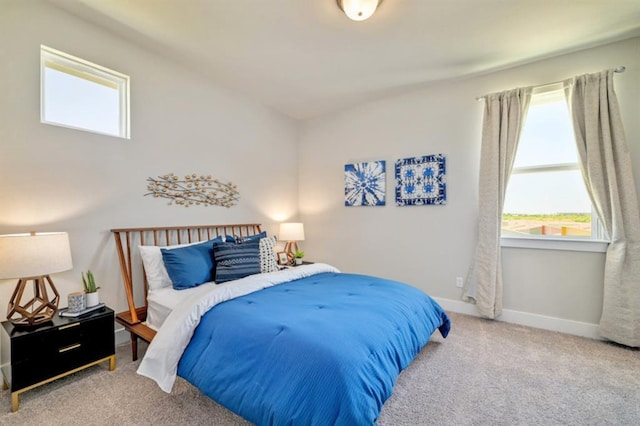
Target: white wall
<point>429,246</point>
<point>57,179</point>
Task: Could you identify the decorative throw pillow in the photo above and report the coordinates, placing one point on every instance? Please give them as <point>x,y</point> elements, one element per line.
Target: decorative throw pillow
<point>239,240</point>
<point>154,269</point>
<point>234,261</point>
<point>189,266</point>
<point>268,261</point>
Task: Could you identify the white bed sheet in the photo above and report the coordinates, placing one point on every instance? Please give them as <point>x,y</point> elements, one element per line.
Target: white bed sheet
<point>162,301</point>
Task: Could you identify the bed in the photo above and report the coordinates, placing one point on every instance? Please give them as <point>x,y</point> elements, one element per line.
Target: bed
<point>304,345</point>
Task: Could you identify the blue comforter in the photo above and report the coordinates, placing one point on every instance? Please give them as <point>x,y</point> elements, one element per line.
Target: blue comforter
<point>321,350</point>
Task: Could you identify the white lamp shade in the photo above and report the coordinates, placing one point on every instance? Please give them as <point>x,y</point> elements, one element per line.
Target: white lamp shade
<point>292,231</point>
<point>34,255</point>
<point>359,10</point>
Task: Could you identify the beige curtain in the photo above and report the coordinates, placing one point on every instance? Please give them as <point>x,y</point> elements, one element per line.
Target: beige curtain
<point>606,168</point>
<point>504,114</point>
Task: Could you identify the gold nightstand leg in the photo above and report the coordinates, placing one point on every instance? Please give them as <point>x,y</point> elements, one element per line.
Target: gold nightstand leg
<point>15,401</point>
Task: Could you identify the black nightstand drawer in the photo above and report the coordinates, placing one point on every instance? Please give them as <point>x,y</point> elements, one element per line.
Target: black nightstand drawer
<point>45,345</point>
<point>63,345</point>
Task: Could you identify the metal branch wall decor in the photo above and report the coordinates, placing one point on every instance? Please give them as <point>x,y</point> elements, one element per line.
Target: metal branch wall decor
<point>193,190</point>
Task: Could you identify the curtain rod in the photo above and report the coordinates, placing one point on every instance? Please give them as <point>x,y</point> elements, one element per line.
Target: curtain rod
<point>618,70</point>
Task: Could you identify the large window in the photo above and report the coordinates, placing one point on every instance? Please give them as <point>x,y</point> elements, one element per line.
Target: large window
<point>79,94</point>
<point>546,196</point>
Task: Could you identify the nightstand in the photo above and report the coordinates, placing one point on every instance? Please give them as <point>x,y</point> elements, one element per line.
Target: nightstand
<point>34,356</point>
<point>304,262</point>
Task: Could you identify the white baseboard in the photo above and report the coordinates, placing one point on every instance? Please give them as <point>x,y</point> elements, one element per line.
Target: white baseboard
<point>575,328</point>
<point>121,335</point>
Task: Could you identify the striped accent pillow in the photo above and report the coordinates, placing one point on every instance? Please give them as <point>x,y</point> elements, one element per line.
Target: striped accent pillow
<point>268,261</point>
<point>234,261</point>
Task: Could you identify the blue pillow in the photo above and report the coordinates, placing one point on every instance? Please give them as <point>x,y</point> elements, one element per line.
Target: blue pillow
<point>239,240</point>
<point>190,266</point>
<point>234,261</point>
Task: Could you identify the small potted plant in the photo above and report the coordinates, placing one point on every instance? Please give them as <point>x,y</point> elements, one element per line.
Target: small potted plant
<point>298,255</point>
<point>90,289</point>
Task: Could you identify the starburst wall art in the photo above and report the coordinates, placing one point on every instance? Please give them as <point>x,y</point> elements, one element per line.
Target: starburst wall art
<point>421,181</point>
<point>365,184</point>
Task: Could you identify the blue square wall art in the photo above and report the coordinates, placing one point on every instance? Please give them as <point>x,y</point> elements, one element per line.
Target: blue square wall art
<point>421,181</point>
<point>365,184</point>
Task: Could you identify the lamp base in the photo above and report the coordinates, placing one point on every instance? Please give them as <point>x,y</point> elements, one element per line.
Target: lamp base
<point>40,309</point>
<point>291,247</point>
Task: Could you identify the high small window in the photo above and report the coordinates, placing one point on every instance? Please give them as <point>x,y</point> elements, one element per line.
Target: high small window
<point>79,94</point>
<point>546,196</point>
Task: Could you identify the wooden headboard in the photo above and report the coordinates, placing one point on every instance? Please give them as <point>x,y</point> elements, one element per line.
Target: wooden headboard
<point>127,242</point>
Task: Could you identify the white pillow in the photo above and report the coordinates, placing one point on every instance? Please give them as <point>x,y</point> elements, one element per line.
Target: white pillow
<point>268,262</point>
<point>157,275</point>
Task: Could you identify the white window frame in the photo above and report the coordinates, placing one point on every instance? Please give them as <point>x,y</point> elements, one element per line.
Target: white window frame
<point>597,242</point>
<point>63,62</point>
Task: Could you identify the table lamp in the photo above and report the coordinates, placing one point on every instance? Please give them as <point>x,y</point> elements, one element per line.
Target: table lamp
<point>291,233</point>
<point>32,257</point>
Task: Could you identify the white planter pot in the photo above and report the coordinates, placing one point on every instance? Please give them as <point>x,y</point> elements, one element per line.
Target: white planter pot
<point>92,299</point>
<point>298,261</point>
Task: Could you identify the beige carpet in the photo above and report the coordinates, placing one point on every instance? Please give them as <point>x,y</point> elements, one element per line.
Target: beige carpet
<point>485,373</point>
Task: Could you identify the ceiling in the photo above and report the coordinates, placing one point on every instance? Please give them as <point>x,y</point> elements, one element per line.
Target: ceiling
<point>305,58</point>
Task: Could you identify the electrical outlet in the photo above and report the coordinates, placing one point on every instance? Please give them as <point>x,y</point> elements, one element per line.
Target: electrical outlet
<point>459,282</point>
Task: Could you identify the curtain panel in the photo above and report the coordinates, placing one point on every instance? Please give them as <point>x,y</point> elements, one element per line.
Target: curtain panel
<point>606,169</point>
<point>504,115</point>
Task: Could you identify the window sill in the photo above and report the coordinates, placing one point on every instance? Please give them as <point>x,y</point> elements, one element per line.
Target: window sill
<point>555,244</point>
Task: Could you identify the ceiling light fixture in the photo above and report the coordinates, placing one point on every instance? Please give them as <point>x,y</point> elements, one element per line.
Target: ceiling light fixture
<point>359,10</point>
